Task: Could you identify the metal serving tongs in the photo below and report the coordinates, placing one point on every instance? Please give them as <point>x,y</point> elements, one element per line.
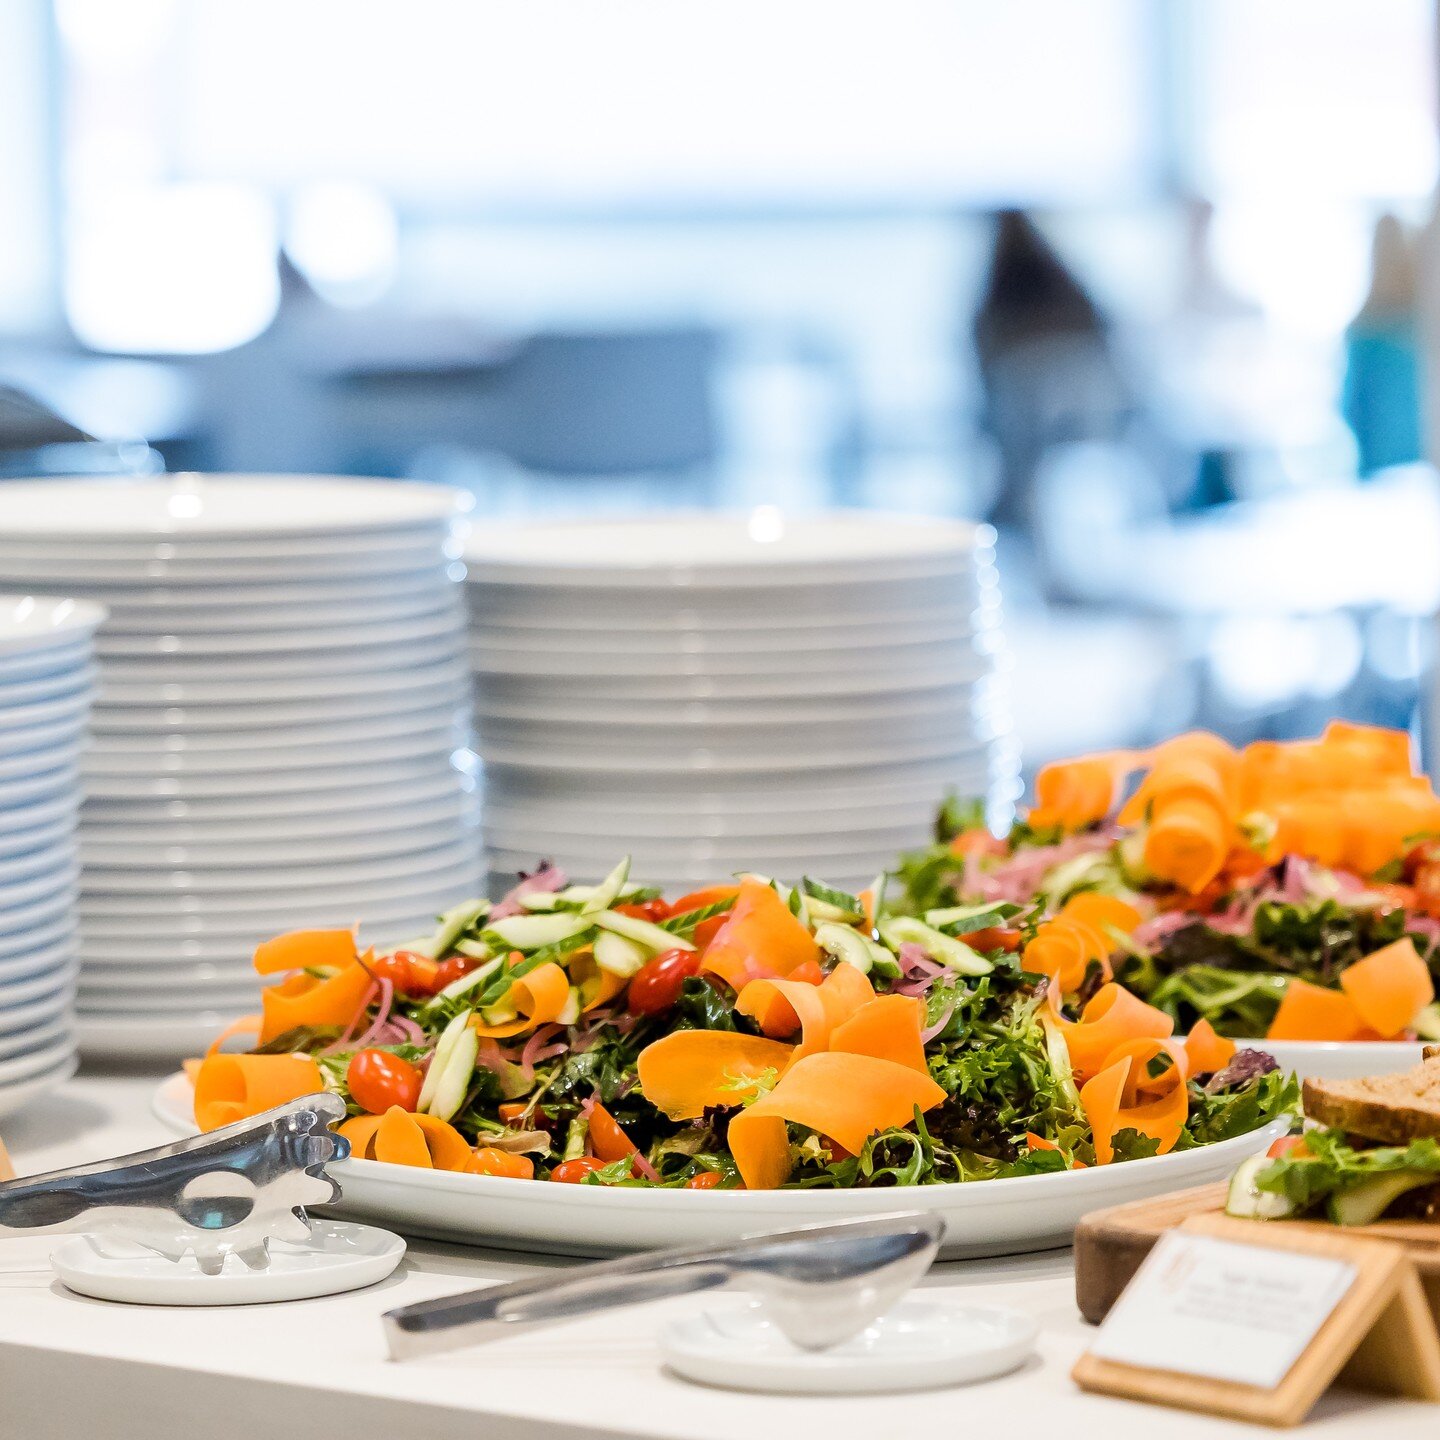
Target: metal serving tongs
<point>229,1192</point>
<point>821,1284</point>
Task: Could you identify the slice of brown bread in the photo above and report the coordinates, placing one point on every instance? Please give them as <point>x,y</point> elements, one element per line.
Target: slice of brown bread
<point>1391,1109</point>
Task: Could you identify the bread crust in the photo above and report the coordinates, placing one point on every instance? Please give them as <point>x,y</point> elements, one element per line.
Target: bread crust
<point>1390,1109</point>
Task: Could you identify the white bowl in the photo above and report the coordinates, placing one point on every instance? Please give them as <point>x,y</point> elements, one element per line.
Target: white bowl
<point>1335,1060</point>
<point>328,510</point>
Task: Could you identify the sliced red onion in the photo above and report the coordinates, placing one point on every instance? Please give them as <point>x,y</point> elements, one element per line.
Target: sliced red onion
<point>931,1031</point>
<point>545,881</point>
<point>543,1035</point>
<point>355,1019</point>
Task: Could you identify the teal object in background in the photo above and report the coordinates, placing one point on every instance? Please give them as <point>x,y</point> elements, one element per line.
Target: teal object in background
<point>1381,395</point>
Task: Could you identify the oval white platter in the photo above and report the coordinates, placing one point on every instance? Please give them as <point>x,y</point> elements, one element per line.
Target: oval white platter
<point>991,1217</point>
<point>1340,1059</point>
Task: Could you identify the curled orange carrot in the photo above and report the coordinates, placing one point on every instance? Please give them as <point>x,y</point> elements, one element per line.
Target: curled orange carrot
<point>1310,1012</point>
<point>759,940</point>
<point>1064,946</point>
<point>1112,1017</point>
<point>399,1137</point>
<point>539,997</point>
<point>847,1097</point>
<point>1075,793</point>
<point>1390,987</point>
<point>306,950</point>
<point>688,1071</point>
<point>235,1087</point>
<point>889,1028</point>
<point>1205,1051</point>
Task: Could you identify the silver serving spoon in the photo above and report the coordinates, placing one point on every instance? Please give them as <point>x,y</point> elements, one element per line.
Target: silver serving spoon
<point>229,1192</point>
<point>821,1284</point>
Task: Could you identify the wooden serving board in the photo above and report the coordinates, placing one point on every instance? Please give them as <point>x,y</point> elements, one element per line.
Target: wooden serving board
<point>1110,1244</point>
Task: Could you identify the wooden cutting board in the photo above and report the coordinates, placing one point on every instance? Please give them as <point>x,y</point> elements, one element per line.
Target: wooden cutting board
<point>1110,1244</point>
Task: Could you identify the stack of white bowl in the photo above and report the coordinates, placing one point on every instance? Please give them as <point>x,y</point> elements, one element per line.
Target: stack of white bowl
<point>280,732</point>
<point>47,683</point>
<point>711,693</point>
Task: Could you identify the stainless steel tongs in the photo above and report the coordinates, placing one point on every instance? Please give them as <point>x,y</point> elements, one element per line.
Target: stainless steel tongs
<point>821,1284</point>
<point>229,1192</point>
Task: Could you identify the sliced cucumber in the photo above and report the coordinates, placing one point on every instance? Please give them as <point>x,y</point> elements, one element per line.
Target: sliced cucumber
<point>885,963</point>
<point>1366,1202</point>
<point>840,942</point>
<point>642,932</point>
<point>827,904</point>
<point>531,932</point>
<point>475,980</point>
<point>608,890</point>
<point>1247,1201</point>
<point>473,950</point>
<point>953,954</point>
<point>570,1011</point>
<point>618,955</point>
<point>453,924</point>
<point>499,1013</point>
<point>450,1037</point>
<point>455,1077</point>
<point>962,919</point>
<point>1427,1023</point>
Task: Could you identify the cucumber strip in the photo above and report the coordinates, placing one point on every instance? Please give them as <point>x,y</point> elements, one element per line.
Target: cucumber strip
<point>1247,1201</point>
<point>466,983</point>
<point>531,932</point>
<point>444,1048</point>
<point>618,955</point>
<point>642,932</point>
<point>687,920</point>
<point>608,890</point>
<point>844,944</point>
<point>453,924</point>
<point>473,950</point>
<point>822,898</point>
<point>822,911</point>
<point>455,1078</point>
<point>570,1011</point>
<point>533,961</point>
<point>962,919</point>
<point>954,954</point>
<point>886,965</point>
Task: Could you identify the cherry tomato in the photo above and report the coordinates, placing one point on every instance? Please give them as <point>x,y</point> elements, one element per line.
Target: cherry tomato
<point>1418,856</point>
<point>573,1172</point>
<point>706,931</point>
<point>378,1080</point>
<point>449,971</point>
<point>607,1139</point>
<point>1287,1145</point>
<point>705,1180</point>
<point>490,1161</point>
<point>519,1112</point>
<point>652,910</point>
<point>655,987</point>
<point>408,972</point>
<point>808,972</point>
<point>977,841</point>
<point>993,937</point>
<point>699,899</point>
<point>1427,889</point>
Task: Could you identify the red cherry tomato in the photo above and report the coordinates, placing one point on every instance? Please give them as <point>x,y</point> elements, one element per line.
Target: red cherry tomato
<point>378,1080</point>
<point>1427,889</point>
<point>409,972</point>
<point>449,971</point>
<point>652,910</point>
<point>1287,1145</point>
<point>705,1180</point>
<point>655,987</point>
<point>1419,855</point>
<point>573,1172</point>
<point>490,1161</point>
<point>607,1139</point>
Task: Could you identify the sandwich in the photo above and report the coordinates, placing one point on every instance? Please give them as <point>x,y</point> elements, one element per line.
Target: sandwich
<point>1370,1150</point>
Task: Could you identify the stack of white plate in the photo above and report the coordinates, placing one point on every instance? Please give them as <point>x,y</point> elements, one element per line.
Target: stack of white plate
<point>709,692</point>
<point>280,732</point>
<point>47,683</point>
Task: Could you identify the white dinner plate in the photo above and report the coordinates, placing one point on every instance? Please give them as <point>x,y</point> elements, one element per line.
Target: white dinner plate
<point>359,806</point>
<point>356,668</point>
<point>39,788</point>
<point>120,1001</point>
<point>45,1024</point>
<point>21,1068</point>
<point>23,766</point>
<point>125,1036</point>
<point>223,598</point>
<point>17,721</point>
<point>38,623</point>
<point>19,898</point>
<point>236,978</point>
<point>38,837</point>
<point>215,887</point>
<point>708,549</point>
<point>55,858</point>
<point>46,661</point>
<point>74,679</point>
<point>238,628</point>
<point>311,691</point>
<point>45,980</point>
<point>302,510</point>
<point>990,1217</point>
<point>439,734</point>
<point>175,568</point>
<point>19,949</point>
<point>315,780</point>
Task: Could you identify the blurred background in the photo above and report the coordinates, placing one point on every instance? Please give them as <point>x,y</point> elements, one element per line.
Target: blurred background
<point>1140,281</point>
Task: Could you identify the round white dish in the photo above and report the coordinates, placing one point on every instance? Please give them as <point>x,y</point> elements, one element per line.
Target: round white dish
<point>307,688</point>
<point>18,950</point>
<point>1340,1060</point>
<point>993,1217</point>
<point>313,779</point>
<point>176,567</point>
<point>328,509</point>
<point>224,598</point>
<point>30,623</point>
<point>302,670</point>
<point>18,721</point>
<point>62,659</point>
<point>56,685</point>
<point>22,1068</point>
<point>47,860</point>
<point>244,628</point>
<point>42,980</point>
<point>919,1344</point>
<point>17,1094</point>
<point>20,842</point>
<point>49,1026</point>
<point>706,549</point>
<point>38,895</point>
<point>340,1257</point>
<point>149,1037</point>
<point>43,786</point>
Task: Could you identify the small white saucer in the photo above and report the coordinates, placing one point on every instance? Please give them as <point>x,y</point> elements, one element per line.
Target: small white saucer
<point>920,1344</point>
<point>339,1257</point>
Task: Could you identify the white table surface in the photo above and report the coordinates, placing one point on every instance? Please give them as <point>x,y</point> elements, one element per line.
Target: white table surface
<point>72,1367</point>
